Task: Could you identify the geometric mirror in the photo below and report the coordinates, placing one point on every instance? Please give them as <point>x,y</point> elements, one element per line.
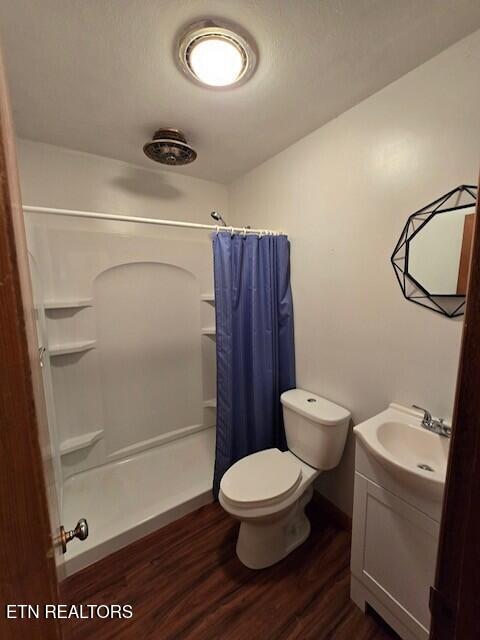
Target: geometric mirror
<point>432,256</point>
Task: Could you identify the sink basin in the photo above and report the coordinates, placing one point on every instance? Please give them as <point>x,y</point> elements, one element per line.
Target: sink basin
<point>415,456</point>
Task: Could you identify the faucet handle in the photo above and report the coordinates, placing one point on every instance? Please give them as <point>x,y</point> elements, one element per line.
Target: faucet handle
<point>447,431</point>
<point>427,416</point>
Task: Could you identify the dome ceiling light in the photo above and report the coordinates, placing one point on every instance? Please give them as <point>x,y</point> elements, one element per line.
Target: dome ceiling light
<point>215,56</point>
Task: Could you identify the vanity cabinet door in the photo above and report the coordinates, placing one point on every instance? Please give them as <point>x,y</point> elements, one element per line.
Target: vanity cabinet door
<point>394,550</point>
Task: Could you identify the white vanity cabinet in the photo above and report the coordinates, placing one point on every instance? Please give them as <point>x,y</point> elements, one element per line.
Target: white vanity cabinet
<point>394,547</point>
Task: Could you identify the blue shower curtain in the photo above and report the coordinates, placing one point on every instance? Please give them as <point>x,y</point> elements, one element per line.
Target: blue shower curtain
<point>255,344</point>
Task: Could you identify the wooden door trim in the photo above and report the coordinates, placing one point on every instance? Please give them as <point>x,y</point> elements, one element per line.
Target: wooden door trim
<point>455,599</point>
<point>27,572</point>
<point>465,253</point>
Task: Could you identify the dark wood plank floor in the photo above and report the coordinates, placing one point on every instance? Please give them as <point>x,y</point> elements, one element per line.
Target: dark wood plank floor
<point>185,582</point>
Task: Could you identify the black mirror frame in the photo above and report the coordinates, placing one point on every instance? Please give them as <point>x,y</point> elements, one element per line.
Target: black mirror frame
<point>451,306</point>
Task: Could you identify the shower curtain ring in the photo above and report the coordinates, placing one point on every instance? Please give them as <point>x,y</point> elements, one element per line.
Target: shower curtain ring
<point>232,231</point>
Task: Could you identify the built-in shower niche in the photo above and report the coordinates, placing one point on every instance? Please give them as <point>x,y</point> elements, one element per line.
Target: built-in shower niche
<point>71,331</point>
<point>77,394</point>
<point>209,357</point>
<point>149,354</point>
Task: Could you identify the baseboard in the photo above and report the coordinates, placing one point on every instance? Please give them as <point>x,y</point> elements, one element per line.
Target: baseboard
<point>331,511</point>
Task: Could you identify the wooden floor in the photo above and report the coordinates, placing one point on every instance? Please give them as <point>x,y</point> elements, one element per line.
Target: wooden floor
<point>185,582</point>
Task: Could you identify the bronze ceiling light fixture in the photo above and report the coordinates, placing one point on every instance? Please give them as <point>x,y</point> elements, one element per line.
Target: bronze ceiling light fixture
<point>169,146</point>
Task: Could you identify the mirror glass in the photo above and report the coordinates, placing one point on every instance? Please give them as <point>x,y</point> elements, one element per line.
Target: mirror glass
<point>432,256</point>
<point>439,253</point>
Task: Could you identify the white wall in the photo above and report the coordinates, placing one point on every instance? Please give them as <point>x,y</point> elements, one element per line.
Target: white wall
<point>343,194</point>
<point>56,177</point>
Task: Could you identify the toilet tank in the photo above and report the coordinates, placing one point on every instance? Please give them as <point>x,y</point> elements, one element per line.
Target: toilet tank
<point>316,428</point>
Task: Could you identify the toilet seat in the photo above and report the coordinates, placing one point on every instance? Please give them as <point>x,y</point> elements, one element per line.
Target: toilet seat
<point>261,479</point>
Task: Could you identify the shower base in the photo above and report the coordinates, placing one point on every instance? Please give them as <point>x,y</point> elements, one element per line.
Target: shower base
<point>128,499</point>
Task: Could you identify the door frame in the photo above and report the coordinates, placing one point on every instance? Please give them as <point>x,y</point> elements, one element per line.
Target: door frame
<point>455,598</point>
<point>27,562</point>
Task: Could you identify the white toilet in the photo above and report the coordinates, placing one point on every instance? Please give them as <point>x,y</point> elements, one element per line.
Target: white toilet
<point>268,491</point>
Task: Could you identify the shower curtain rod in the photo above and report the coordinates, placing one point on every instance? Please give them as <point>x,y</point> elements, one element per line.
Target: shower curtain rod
<point>164,223</point>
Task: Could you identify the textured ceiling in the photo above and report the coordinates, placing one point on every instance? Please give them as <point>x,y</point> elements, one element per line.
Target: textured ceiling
<point>99,75</point>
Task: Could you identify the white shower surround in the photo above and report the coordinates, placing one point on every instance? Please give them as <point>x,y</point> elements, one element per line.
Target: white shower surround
<point>132,373</point>
<point>130,498</point>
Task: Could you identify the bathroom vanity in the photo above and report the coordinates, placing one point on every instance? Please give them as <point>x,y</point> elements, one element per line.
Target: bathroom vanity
<point>399,480</point>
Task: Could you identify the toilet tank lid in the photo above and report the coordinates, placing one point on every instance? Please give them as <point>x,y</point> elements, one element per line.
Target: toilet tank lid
<point>314,407</point>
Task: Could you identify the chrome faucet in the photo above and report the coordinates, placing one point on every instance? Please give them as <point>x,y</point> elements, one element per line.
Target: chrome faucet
<point>436,426</point>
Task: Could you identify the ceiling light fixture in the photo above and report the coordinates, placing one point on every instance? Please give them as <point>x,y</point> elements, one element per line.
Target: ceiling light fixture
<point>216,56</point>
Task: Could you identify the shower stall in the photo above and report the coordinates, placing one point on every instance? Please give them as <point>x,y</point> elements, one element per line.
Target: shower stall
<point>125,318</point>
<point>126,327</point>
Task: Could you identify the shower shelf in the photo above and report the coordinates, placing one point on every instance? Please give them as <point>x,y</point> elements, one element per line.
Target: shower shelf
<point>209,331</point>
<point>211,404</point>
<point>71,347</point>
<point>68,304</point>
<point>80,442</point>
<point>208,297</point>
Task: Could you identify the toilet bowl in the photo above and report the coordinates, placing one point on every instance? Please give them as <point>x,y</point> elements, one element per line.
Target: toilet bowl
<point>267,491</point>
